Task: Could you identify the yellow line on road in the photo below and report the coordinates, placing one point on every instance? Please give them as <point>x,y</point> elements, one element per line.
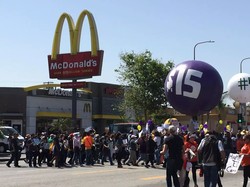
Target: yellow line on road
<point>153,178</point>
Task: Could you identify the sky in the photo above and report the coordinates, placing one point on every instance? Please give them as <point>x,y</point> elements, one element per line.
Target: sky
<point>168,29</point>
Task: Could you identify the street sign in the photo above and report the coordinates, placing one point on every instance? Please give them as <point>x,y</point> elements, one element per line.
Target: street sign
<point>74,85</point>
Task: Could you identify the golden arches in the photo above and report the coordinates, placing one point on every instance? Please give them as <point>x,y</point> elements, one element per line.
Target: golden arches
<point>75,33</point>
<point>35,87</point>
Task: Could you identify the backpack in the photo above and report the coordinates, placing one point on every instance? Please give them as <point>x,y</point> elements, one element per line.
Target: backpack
<point>210,151</point>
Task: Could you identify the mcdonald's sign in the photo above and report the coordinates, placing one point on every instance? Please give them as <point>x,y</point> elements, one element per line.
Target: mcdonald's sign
<point>86,107</point>
<point>75,65</point>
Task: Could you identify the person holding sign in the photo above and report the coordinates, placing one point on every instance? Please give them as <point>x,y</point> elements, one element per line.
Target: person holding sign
<point>245,150</point>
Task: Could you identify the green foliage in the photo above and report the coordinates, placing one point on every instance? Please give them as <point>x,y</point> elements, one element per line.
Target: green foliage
<point>142,78</point>
<point>160,116</point>
<point>61,125</point>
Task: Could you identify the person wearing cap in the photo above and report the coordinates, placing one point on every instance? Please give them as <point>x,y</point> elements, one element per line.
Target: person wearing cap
<point>132,151</point>
<point>175,145</point>
<point>212,155</point>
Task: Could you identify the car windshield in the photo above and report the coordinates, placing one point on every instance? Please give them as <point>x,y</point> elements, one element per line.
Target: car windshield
<point>8,131</point>
<point>122,128</point>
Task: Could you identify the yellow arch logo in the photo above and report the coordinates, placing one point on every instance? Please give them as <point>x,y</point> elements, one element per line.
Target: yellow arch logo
<point>75,65</point>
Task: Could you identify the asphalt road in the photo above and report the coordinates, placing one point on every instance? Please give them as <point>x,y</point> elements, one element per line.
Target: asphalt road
<point>98,175</point>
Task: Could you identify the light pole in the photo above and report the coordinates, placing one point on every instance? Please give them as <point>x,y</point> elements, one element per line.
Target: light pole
<point>241,63</point>
<point>209,41</point>
<point>243,106</point>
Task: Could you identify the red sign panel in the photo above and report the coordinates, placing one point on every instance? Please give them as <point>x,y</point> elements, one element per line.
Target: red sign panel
<point>74,85</point>
<point>80,65</point>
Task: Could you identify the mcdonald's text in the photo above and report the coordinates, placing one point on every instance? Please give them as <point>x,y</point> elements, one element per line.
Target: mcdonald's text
<point>80,65</point>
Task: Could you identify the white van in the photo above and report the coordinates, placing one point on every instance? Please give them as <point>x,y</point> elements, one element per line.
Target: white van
<point>124,128</point>
<point>4,139</point>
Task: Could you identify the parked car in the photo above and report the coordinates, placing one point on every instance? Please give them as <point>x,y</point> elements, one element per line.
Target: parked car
<point>4,138</point>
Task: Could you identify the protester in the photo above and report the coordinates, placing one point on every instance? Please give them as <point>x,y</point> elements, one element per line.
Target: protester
<point>111,144</point>
<point>44,147</point>
<point>32,148</point>
<point>76,148</point>
<point>106,150</point>
<point>142,149</point>
<point>227,144</point>
<point>192,154</point>
<point>15,150</point>
<point>212,154</point>
<point>245,150</point>
<point>151,146</point>
<point>88,142</point>
<point>132,151</point>
<point>70,148</point>
<point>174,144</point>
<point>119,149</point>
<point>56,156</point>
<point>158,140</point>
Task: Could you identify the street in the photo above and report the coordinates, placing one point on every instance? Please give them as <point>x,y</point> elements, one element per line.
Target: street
<point>97,175</point>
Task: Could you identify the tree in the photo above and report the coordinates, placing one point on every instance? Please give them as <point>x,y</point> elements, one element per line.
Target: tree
<point>221,109</point>
<point>61,125</point>
<point>142,79</point>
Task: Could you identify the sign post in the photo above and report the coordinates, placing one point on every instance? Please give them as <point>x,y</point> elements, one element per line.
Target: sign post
<point>75,65</point>
<point>74,105</point>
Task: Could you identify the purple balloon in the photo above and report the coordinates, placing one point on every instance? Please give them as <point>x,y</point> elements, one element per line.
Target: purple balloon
<point>150,122</point>
<point>193,87</point>
<point>141,122</point>
<point>183,128</point>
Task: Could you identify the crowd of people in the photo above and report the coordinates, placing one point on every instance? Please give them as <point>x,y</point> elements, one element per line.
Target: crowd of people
<point>181,152</point>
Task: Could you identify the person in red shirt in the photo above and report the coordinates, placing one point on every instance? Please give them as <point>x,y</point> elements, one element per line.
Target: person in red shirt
<point>245,150</point>
<point>191,147</point>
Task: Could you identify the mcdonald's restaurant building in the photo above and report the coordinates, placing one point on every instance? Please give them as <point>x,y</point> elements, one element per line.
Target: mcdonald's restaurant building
<point>31,109</point>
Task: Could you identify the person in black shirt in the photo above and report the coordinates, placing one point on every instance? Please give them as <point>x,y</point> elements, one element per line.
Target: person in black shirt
<point>151,146</point>
<point>174,144</point>
<point>15,149</point>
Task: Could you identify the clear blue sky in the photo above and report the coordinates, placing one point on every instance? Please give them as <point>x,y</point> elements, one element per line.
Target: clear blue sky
<point>167,28</point>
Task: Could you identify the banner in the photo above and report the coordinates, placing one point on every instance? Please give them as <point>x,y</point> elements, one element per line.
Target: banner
<point>233,163</point>
<point>75,65</point>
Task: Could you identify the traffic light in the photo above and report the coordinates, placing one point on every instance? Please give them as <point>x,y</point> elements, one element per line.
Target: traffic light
<point>240,118</point>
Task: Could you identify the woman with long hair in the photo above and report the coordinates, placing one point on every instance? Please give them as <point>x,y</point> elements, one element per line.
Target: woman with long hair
<point>245,150</point>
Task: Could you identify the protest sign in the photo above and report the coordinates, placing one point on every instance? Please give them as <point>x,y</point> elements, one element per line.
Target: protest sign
<point>233,163</point>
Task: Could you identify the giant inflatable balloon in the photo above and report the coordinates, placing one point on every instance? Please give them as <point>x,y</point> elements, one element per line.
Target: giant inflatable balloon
<point>239,87</point>
<point>193,87</point>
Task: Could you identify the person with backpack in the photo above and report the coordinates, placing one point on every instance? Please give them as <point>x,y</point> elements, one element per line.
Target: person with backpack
<point>212,155</point>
